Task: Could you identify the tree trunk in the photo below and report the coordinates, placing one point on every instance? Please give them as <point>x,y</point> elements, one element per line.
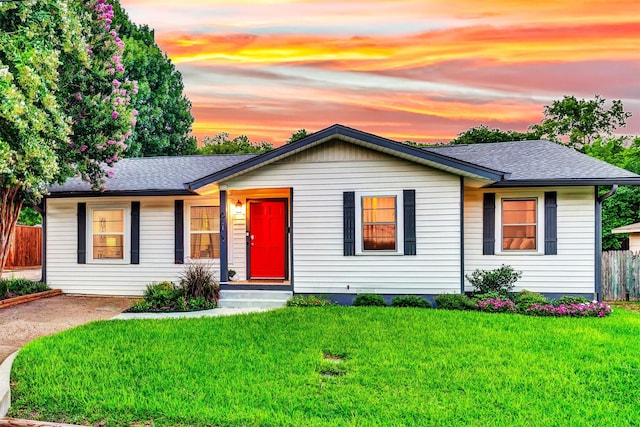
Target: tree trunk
<point>9,212</point>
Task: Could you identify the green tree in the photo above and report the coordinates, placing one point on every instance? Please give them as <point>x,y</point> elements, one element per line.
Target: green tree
<point>297,135</point>
<point>64,100</point>
<point>221,144</point>
<point>482,134</point>
<point>29,216</point>
<point>580,121</point>
<point>624,207</point>
<point>164,113</point>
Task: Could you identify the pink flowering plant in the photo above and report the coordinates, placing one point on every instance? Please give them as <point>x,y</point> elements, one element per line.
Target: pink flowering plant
<point>495,305</point>
<point>594,309</point>
<point>102,117</point>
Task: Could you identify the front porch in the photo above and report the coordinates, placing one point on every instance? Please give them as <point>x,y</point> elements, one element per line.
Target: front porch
<point>256,239</point>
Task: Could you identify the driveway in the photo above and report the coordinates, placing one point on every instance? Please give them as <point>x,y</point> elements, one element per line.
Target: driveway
<point>24,322</point>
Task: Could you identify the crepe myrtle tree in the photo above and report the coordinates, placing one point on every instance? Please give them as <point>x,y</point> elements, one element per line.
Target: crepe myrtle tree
<point>64,100</point>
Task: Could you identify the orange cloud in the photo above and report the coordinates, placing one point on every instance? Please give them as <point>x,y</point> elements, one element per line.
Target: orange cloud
<point>519,44</point>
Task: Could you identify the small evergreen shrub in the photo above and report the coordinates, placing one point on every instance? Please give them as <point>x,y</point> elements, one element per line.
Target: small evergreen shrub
<point>454,302</point>
<point>410,301</point>
<point>19,286</point>
<point>139,307</point>
<point>488,295</point>
<point>499,280</point>
<point>161,295</point>
<point>568,300</point>
<point>308,301</point>
<point>369,300</point>
<point>524,299</point>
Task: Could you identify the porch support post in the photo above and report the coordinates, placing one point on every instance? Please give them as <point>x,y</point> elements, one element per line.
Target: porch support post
<point>224,258</point>
<point>462,235</point>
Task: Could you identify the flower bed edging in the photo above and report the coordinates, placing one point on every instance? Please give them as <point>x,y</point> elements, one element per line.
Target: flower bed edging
<point>28,298</point>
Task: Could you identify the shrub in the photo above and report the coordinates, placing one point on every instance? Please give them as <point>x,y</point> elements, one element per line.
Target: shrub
<point>369,300</point>
<point>454,302</point>
<point>20,286</point>
<point>568,300</point>
<point>410,301</point>
<point>198,280</point>
<point>524,299</point>
<point>598,309</point>
<point>139,306</point>
<point>161,295</point>
<point>499,280</point>
<point>200,303</point>
<point>308,301</point>
<point>496,305</point>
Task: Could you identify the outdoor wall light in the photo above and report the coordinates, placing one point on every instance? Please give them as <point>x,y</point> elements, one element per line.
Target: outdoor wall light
<point>238,207</point>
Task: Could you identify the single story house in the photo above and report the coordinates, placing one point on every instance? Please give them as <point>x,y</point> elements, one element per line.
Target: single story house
<point>337,213</point>
<point>634,235</point>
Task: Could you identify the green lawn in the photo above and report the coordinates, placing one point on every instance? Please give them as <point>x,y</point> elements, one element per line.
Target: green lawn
<point>401,367</point>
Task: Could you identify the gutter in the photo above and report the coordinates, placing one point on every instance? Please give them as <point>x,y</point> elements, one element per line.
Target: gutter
<point>598,238</point>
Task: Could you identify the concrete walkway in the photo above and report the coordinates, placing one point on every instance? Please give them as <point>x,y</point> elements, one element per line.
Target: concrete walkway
<point>190,314</point>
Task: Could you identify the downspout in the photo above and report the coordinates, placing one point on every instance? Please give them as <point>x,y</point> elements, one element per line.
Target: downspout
<point>598,240</point>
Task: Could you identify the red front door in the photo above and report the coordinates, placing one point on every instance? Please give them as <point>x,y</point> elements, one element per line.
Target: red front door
<point>267,237</point>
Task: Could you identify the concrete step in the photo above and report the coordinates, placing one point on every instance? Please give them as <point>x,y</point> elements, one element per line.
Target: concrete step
<point>253,299</point>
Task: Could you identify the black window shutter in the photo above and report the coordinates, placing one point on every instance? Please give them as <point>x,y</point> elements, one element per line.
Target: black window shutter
<point>179,231</point>
<point>489,224</point>
<point>349,220</point>
<point>82,233</point>
<point>550,223</point>
<point>135,232</point>
<point>409,202</point>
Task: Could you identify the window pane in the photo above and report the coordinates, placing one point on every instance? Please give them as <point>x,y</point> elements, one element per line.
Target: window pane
<point>519,237</point>
<point>205,218</point>
<point>205,245</point>
<point>378,209</point>
<point>519,217</point>
<point>379,237</point>
<point>108,221</point>
<point>108,246</point>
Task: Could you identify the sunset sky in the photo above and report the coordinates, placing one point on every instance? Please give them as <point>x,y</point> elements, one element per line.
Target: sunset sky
<point>421,70</point>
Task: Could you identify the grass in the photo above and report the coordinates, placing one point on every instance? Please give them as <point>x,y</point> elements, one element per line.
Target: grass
<point>337,366</point>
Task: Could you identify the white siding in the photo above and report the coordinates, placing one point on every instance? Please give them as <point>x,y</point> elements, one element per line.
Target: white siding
<point>112,278</point>
<point>319,177</point>
<point>570,271</point>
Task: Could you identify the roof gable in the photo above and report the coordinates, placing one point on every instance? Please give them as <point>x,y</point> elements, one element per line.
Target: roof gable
<point>354,136</point>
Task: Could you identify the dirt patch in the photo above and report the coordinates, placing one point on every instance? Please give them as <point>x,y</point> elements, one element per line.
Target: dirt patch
<point>627,305</point>
<point>24,322</point>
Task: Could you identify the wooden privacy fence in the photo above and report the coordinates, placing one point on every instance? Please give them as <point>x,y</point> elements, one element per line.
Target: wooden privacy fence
<point>26,247</point>
<point>621,276</point>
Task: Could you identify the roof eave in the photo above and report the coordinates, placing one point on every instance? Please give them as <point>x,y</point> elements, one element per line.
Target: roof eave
<point>564,182</point>
<point>120,193</point>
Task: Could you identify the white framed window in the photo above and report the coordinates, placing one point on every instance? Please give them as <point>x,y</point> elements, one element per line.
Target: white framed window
<point>379,223</point>
<point>203,231</point>
<point>108,231</point>
<point>520,224</point>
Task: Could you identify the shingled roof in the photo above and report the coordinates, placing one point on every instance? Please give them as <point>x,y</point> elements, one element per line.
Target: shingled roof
<point>539,163</point>
<point>503,164</point>
<point>154,175</point>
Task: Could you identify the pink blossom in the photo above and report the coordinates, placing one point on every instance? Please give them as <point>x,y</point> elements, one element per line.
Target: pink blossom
<point>110,174</point>
<point>111,142</point>
<point>111,71</point>
<point>78,96</point>
<point>116,83</point>
<point>115,115</point>
<point>83,148</point>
